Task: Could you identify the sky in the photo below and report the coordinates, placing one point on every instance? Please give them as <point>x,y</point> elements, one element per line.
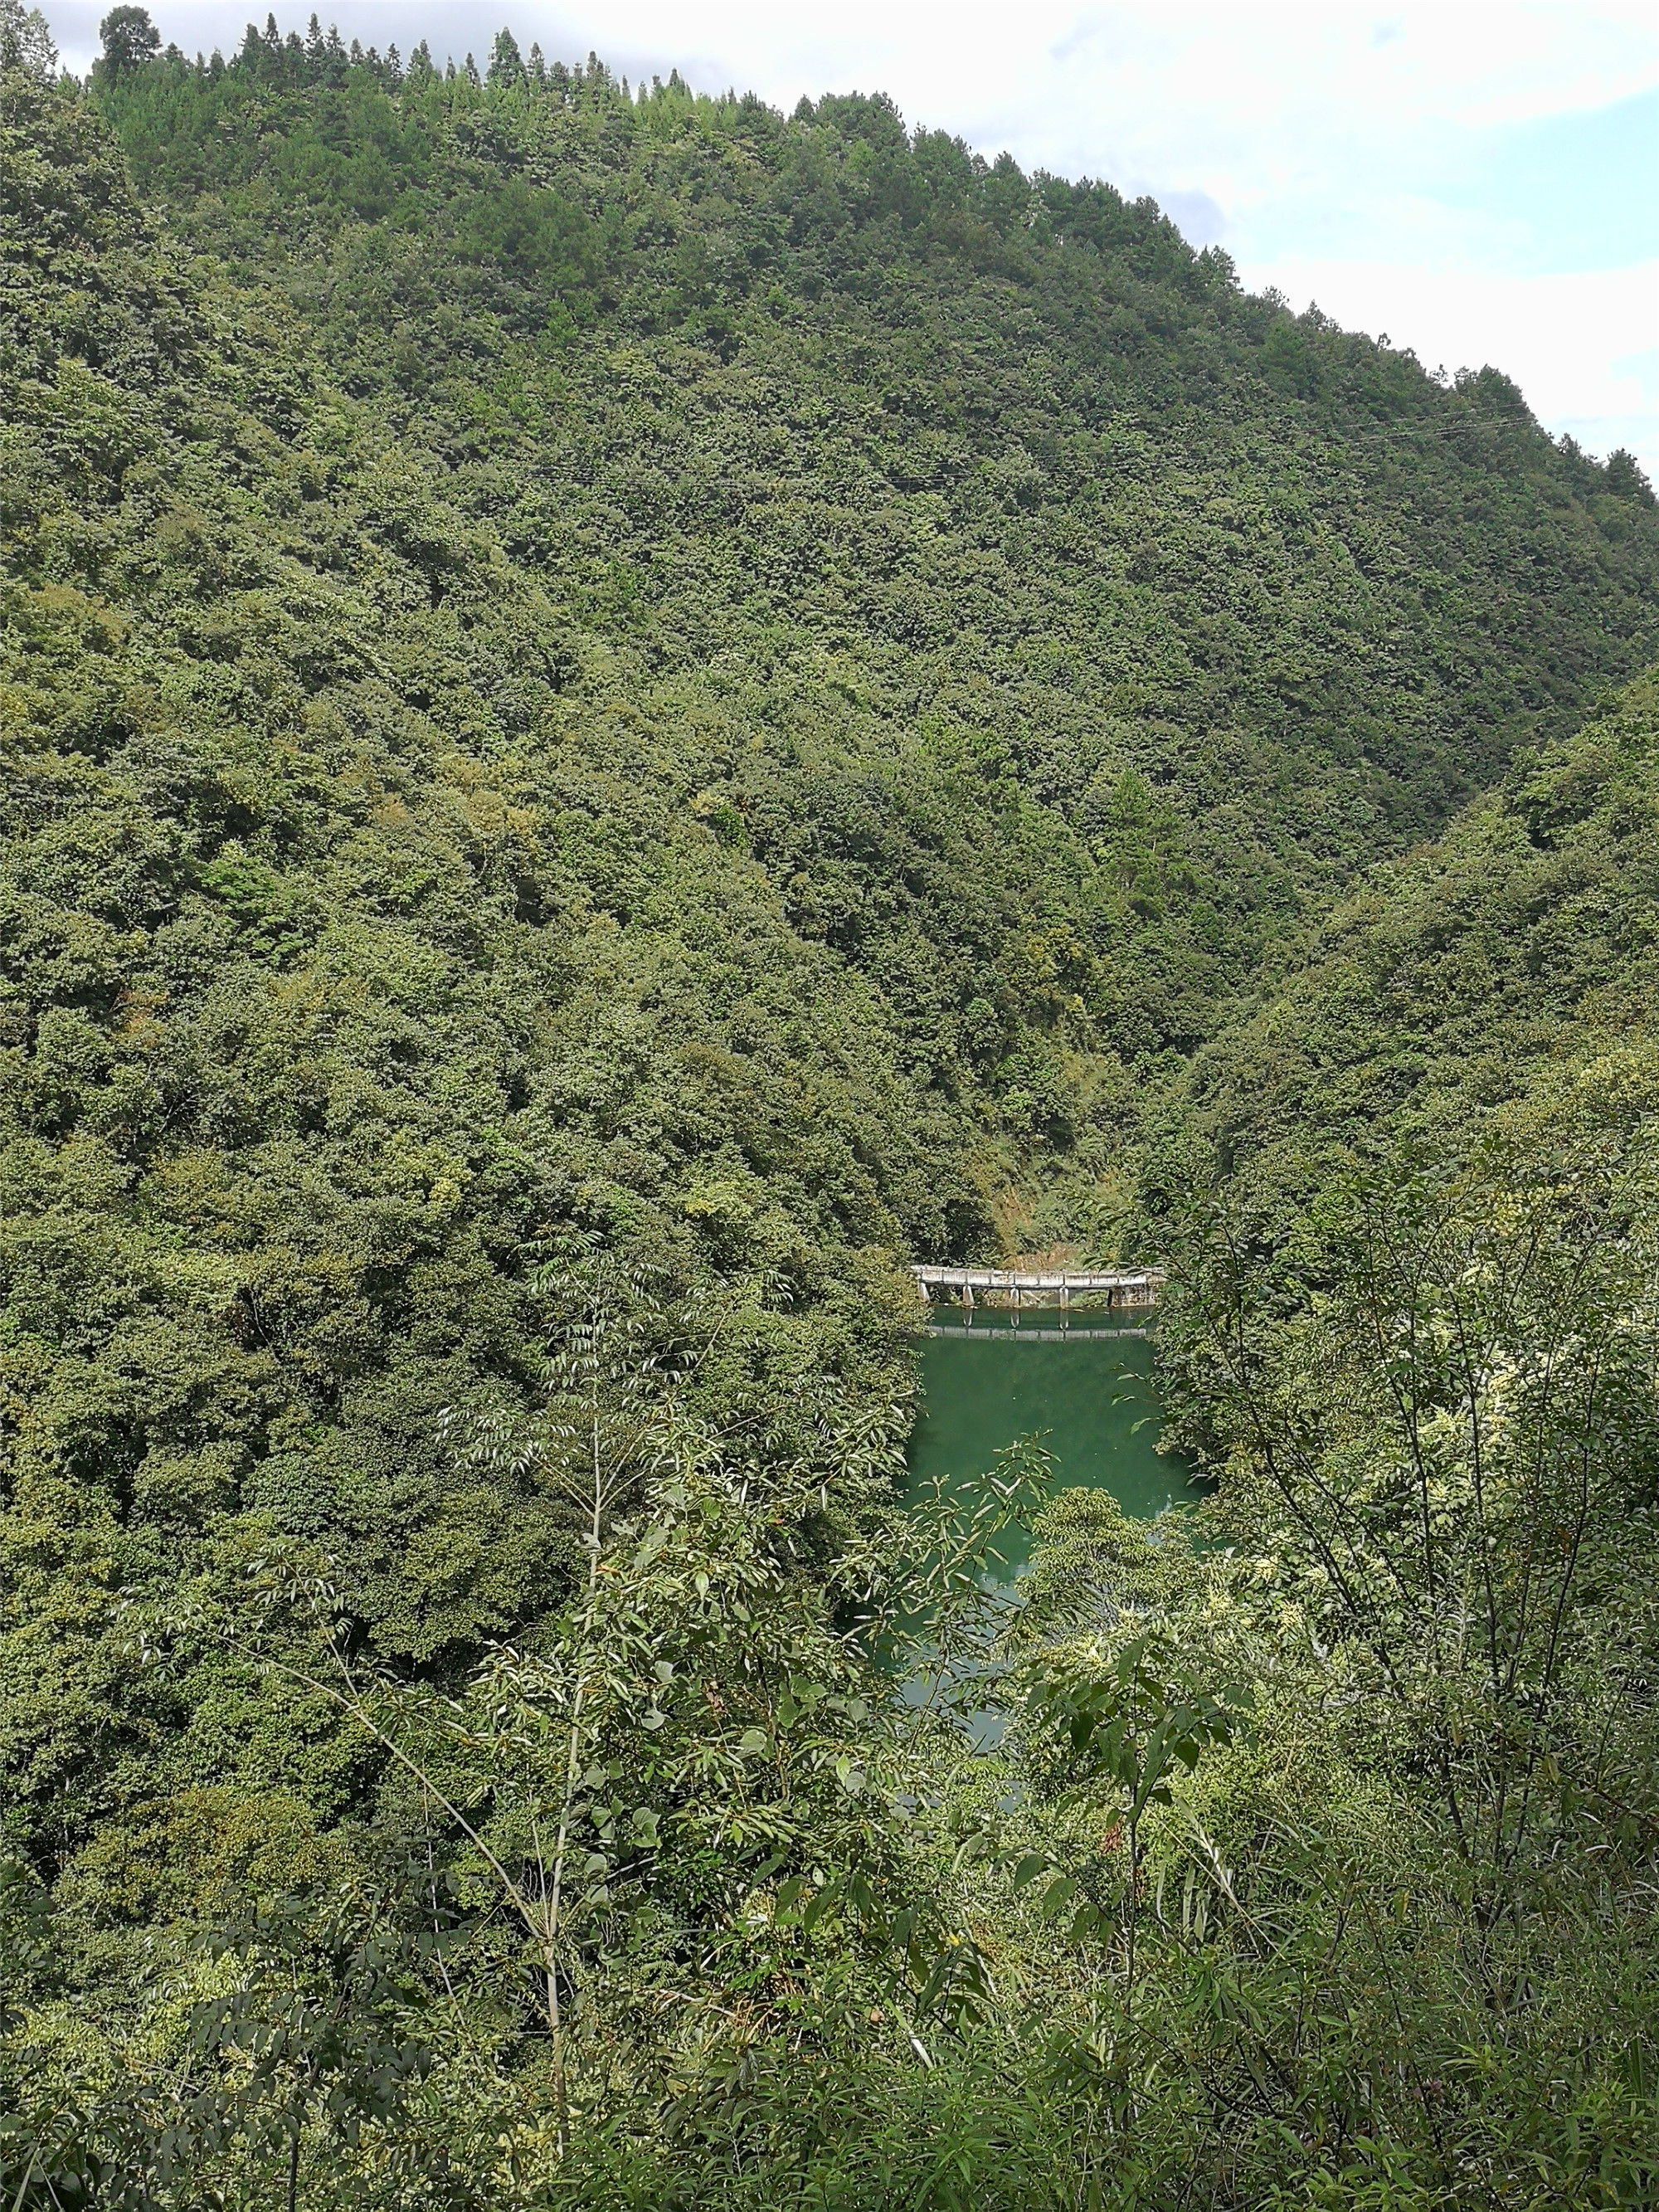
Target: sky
<point>1479,179</point>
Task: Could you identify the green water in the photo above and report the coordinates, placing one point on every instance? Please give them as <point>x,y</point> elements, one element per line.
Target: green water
<point>986,1384</point>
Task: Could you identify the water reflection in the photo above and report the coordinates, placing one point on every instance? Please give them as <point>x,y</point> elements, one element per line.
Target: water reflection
<point>1085,1380</point>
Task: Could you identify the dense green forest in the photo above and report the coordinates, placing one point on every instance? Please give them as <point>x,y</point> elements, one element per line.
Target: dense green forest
<point>620,714</point>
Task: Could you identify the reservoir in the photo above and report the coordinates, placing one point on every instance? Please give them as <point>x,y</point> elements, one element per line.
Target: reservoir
<point>1087,1384</point>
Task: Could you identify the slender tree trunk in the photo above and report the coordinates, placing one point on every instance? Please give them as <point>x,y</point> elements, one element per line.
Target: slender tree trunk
<point>572,1772</point>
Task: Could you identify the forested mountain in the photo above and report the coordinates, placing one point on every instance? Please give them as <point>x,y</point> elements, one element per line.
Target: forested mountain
<point>1050,620</point>
<point>1513,960</point>
<point>620,714</point>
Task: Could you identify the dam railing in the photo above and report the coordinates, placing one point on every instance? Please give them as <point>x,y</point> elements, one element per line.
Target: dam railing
<point>1019,1287</point>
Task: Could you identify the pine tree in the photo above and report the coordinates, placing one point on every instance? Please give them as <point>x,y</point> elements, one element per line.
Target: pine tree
<point>506,63</point>
<point>129,39</point>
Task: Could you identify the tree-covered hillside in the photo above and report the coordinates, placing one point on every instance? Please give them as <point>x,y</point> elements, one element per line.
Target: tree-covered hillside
<point>1057,619</point>
<point>1512,960</point>
<point>619,713</point>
